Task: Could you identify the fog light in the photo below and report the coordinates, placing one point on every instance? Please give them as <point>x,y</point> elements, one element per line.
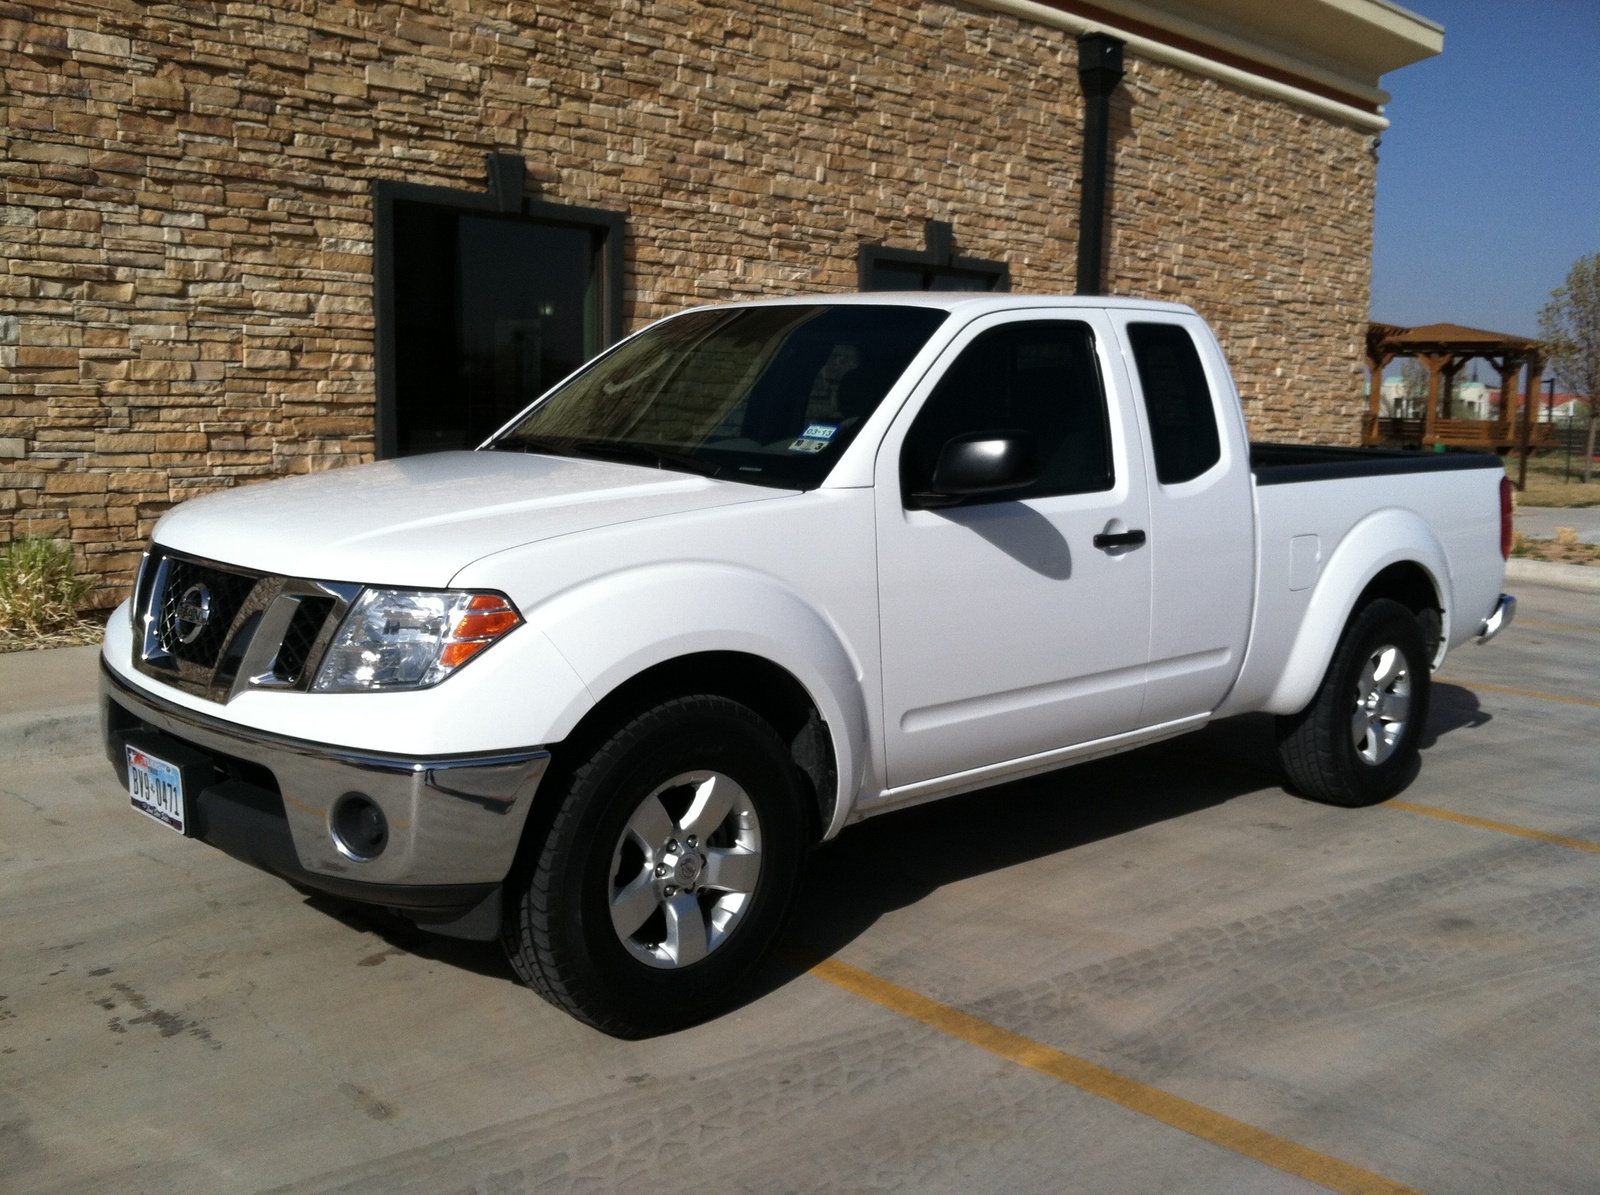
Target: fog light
<point>359,828</point>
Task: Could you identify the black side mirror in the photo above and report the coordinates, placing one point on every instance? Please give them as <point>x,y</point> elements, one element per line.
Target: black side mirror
<point>982,463</point>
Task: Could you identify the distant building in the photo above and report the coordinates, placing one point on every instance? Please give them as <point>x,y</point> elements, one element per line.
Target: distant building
<point>1570,406</point>
<point>1565,406</point>
<point>1395,402</point>
<point>1471,401</point>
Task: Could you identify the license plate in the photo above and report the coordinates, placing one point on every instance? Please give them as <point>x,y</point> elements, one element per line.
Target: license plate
<point>156,788</point>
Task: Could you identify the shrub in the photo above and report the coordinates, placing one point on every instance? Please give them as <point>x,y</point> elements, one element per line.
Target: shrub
<point>39,591</point>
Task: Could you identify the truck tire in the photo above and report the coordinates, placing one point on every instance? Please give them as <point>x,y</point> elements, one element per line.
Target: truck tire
<point>1356,743</point>
<point>666,872</point>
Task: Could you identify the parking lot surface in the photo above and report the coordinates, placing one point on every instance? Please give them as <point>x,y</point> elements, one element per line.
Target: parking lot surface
<point>1542,522</point>
<point>1154,973</point>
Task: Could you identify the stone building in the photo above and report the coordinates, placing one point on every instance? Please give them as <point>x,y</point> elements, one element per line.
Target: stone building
<point>248,240</point>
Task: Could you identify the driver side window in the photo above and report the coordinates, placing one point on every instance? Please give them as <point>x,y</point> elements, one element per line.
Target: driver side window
<point>1039,378</point>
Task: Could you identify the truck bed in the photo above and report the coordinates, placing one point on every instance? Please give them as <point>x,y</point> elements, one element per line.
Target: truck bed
<point>1283,464</point>
<point>1345,506</point>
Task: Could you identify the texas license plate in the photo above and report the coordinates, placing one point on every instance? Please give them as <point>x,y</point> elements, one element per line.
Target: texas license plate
<point>156,788</point>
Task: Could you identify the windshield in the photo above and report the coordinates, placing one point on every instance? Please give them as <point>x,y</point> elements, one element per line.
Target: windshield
<point>770,395</point>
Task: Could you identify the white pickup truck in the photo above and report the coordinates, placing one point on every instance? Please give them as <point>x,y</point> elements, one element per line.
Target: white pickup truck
<point>756,573</point>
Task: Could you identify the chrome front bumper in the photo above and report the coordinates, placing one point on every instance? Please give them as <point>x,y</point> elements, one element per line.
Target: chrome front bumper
<point>1505,610</point>
<point>454,823</point>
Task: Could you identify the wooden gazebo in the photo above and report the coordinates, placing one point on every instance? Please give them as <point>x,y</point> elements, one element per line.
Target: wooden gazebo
<point>1444,349</point>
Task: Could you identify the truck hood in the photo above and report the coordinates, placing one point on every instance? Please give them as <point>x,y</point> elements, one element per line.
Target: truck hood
<point>418,521</point>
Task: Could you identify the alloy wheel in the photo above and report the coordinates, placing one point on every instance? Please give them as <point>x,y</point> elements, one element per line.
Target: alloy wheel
<point>1383,703</point>
<point>684,869</point>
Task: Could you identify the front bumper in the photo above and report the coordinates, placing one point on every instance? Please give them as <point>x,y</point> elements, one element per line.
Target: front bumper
<point>1504,611</point>
<point>454,822</point>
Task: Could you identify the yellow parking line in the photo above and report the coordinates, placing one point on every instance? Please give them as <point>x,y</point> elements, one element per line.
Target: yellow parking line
<point>1554,626</point>
<point>1483,823</point>
<point>1478,684</point>
<point>1180,1113</point>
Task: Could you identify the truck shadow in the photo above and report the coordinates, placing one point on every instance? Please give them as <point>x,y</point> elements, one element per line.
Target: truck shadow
<point>1452,707</point>
<point>896,860</point>
<point>404,937</point>
<point>899,859</point>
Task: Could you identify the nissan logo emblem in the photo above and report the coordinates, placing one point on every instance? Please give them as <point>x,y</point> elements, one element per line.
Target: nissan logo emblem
<point>193,613</point>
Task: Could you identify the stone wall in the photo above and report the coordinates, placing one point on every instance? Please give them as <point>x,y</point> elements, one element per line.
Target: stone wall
<point>187,298</point>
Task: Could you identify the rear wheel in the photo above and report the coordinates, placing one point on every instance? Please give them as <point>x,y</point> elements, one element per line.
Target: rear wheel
<point>1356,743</point>
<point>666,873</point>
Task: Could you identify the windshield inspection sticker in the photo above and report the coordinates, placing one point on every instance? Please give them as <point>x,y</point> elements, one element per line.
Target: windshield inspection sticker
<point>815,438</point>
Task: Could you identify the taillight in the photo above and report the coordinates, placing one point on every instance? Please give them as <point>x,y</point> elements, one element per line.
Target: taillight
<point>1505,518</point>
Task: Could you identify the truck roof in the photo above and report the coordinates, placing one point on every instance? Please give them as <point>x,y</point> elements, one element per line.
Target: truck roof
<point>967,302</point>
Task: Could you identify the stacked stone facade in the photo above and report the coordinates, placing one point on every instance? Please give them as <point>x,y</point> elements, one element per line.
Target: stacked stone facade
<point>187,299</point>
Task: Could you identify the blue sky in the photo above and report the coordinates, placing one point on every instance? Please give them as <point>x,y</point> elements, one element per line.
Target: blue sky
<point>1489,179</point>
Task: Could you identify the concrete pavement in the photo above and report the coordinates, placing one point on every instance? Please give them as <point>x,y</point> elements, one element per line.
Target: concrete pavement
<point>1541,522</point>
<point>1412,996</point>
<point>31,681</point>
<point>47,700</point>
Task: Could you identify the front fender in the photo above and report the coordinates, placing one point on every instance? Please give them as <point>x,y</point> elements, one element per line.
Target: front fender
<point>614,627</point>
<point>1385,537</point>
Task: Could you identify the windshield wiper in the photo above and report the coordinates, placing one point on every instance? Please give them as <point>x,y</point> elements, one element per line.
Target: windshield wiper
<point>644,454</point>
<point>532,444</point>
<point>610,450</point>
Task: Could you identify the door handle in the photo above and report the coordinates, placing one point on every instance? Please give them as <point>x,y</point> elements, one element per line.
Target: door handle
<point>1118,539</point>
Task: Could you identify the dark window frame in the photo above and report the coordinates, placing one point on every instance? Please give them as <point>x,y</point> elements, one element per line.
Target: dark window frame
<point>611,225</point>
<point>939,236</point>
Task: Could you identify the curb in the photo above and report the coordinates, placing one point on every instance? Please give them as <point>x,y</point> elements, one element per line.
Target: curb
<point>64,730</point>
<point>1581,578</point>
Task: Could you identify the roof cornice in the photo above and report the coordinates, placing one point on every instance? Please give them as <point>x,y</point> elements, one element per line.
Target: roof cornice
<point>1328,55</point>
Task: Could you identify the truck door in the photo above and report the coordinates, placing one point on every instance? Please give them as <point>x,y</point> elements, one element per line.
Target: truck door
<point>1006,631</point>
<point>1202,516</point>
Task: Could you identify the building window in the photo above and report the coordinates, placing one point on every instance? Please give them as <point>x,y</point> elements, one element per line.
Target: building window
<point>484,301</point>
<point>934,268</point>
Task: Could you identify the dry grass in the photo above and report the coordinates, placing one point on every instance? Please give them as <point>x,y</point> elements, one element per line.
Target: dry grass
<point>1546,486</point>
<point>41,596</point>
<point>1564,549</point>
<point>80,632</point>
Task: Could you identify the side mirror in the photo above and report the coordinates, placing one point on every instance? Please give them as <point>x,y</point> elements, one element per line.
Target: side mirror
<point>982,463</point>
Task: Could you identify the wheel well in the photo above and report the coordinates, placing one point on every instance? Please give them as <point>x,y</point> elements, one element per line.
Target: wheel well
<point>1409,584</point>
<point>769,690</point>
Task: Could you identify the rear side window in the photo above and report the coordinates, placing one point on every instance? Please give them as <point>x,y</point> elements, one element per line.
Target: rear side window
<point>1177,401</point>
<point>1040,378</point>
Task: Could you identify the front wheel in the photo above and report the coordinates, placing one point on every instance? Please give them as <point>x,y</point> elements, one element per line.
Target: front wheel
<point>666,873</point>
<point>1356,743</point>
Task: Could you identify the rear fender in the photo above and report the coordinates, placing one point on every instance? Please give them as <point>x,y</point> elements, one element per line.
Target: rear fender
<point>1386,537</point>
<point>615,627</point>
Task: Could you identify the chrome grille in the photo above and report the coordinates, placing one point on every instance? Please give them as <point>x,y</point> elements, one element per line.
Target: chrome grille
<point>294,653</point>
<point>216,630</point>
<point>225,592</point>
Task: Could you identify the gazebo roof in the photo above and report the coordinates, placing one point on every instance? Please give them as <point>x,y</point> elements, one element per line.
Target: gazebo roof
<point>1454,339</point>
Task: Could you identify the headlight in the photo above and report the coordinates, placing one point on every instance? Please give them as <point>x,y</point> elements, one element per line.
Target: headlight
<point>411,639</point>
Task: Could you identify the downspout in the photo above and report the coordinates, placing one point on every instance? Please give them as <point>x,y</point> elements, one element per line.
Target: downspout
<point>1099,72</point>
